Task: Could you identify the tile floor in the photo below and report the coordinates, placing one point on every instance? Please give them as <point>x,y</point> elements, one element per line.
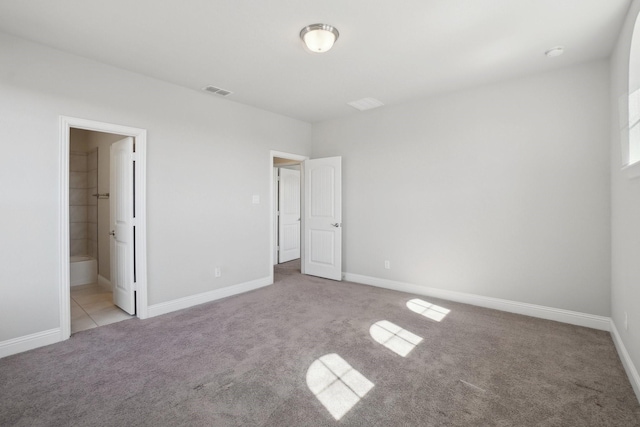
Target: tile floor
<point>92,306</point>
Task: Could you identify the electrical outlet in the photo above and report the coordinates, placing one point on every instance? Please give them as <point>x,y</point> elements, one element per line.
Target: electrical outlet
<point>387,264</point>
<point>626,321</point>
<point>218,272</point>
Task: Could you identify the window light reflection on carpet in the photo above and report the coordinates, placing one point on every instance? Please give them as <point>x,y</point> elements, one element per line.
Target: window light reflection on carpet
<point>431,311</point>
<point>392,336</point>
<point>336,384</point>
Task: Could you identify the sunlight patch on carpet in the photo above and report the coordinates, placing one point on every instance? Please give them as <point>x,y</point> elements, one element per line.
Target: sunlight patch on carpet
<point>431,311</point>
<point>392,336</point>
<point>336,384</point>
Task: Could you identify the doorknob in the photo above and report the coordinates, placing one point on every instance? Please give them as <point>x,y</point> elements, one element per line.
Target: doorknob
<point>112,233</point>
<point>337,224</point>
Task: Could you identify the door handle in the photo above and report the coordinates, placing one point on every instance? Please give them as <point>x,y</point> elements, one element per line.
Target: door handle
<point>112,233</point>
<point>336,225</point>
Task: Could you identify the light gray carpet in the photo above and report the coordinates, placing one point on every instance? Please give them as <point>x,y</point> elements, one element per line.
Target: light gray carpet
<point>246,361</point>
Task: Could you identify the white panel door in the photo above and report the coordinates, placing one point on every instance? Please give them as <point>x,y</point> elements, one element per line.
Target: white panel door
<point>121,218</point>
<point>323,217</point>
<point>289,218</point>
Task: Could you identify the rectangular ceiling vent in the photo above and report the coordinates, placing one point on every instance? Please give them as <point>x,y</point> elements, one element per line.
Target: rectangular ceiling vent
<point>365,104</point>
<point>217,90</point>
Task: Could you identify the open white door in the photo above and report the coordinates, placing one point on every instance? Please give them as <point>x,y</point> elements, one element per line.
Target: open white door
<point>122,232</point>
<point>323,217</point>
<point>289,215</point>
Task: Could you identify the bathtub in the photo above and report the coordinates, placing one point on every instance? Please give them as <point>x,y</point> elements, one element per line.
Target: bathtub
<point>83,270</point>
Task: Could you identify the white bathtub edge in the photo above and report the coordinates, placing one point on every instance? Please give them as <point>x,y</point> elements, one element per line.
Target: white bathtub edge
<point>83,272</point>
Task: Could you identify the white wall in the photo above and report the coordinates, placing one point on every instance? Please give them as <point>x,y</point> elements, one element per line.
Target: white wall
<point>625,206</point>
<point>500,191</point>
<point>206,157</point>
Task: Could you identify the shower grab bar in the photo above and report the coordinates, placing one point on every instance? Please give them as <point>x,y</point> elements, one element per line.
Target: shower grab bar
<point>101,195</point>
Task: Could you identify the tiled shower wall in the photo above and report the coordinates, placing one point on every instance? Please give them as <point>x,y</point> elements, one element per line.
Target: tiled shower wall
<point>83,212</point>
<point>92,204</point>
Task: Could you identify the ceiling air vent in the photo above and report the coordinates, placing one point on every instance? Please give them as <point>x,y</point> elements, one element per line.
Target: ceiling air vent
<point>217,90</point>
<point>365,104</point>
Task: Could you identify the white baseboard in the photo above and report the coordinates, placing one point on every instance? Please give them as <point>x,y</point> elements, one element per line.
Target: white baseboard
<point>565,316</point>
<point>632,372</point>
<point>105,283</point>
<point>29,342</point>
<point>190,301</point>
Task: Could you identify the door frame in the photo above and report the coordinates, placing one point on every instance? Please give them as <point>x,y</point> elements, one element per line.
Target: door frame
<point>140,138</point>
<point>293,157</point>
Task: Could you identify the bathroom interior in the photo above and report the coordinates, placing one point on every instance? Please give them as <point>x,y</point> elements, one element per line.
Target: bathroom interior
<point>89,175</point>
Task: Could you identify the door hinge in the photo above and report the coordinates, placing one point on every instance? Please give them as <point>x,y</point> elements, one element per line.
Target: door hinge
<point>134,157</point>
<point>135,286</point>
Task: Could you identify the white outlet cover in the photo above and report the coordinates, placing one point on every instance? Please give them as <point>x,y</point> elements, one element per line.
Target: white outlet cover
<point>255,199</point>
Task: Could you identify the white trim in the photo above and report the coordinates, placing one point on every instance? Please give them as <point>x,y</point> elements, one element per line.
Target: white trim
<point>64,257</point>
<point>629,367</point>
<point>104,283</point>
<point>29,342</point>
<point>142,301</point>
<point>559,315</point>
<point>216,294</point>
<point>272,189</point>
<point>140,135</point>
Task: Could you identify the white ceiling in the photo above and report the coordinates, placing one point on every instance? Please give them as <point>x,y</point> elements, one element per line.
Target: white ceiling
<point>394,51</point>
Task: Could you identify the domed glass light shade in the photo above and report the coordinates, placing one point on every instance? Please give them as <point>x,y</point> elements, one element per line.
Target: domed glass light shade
<point>319,38</point>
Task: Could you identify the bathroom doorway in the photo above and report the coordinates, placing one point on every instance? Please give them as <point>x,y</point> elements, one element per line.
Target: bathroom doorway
<point>92,302</point>
<point>90,272</point>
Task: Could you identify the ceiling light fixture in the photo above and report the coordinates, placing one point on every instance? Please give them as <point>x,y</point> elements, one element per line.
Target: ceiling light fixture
<point>319,38</point>
<point>556,51</point>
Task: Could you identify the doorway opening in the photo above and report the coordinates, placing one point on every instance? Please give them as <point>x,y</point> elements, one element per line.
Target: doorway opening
<point>96,192</point>
<point>286,208</point>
